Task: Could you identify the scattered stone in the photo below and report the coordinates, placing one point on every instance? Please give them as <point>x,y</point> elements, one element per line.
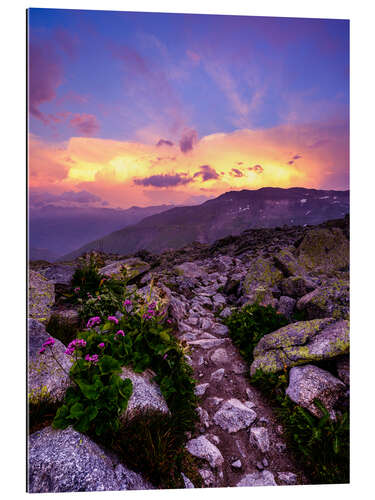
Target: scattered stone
<point>201,389</point>
<point>265,462</point>
<point>220,356</point>
<point>201,447</point>
<point>329,300</point>
<point>190,270</point>
<point>287,477</point>
<point>206,324</point>
<point>259,465</point>
<point>226,312</point>
<point>207,343</point>
<point>296,286</point>
<point>214,401</point>
<point>261,273</point>
<point>66,460</point>
<point>203,416</point>
<point>288,264</point>
<point>234,416</point>
<point>309,382</point>
<point>237,464</point>
<point>259,437</point>
<point>41,296</point>
<point>146,394</point>
<point>281,447</point>
<point>217,375</point>
<point>219,329</point>
<point>264,478</point>
<point>239,367</point>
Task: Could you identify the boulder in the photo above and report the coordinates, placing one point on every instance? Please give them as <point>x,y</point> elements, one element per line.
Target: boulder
<point>287,477</point>
<point>134,267</point>
<point>324,250</point>
<point>296,286</point>
<point>41,296</point>
<point>59,274</point>
<point>286,306</point>
<point>260,295</point>
<point>261,274</point>
<point>263,478</point>
<point>201,447</point>
<point>190,270</point>
<point>309,382</point>
<point>234,416</point>
<point>45,376</point>
<point>288,264</point>
<point>301,343</point>
<point>343,369</point>
<point>330,300</point>
<point>146,394</point>
<point>66,460</point>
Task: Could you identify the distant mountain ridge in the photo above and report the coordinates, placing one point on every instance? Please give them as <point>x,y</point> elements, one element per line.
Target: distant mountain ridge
<point>229,213</point>
<point>56,230</point>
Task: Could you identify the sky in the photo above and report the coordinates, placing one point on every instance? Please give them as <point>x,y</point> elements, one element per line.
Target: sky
<point>147,109</point>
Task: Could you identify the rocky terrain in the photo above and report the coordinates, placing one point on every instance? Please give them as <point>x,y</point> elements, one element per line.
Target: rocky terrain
<point>301,271</point>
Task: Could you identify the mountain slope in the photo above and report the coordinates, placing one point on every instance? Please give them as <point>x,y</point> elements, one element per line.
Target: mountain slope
<point>230,213</point>
<point>56,230</point>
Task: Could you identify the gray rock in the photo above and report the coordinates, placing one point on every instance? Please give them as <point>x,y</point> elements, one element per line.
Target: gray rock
<point>289,265</point>
<point>218,300</point>
<point>207,476</point>
<point>234,416</point>
<point>59,274</point>
<point>190,270</point>
<point>280,446</point>
<point>343,369</point>
<point>264,478</point>
<point>200,389</point>
<point>301,343</point>
<point>237,464</point>
<point>329,300</point>
<point>296,286</point>
<point>287,477</point>
<point>219,329</point>
<point>265,462</point>
<point>177,308</point>
<point>41,296</point>
<point>286,306</point>
<point>226,312</point>
<point>45,376</point>
<point>309,382</point>
<point>71,316</point>
<point>133,266</point>
<point>187,482</point>
<point>203,417</point>
<point>206,324</point>
<point>220,356</point>
<point>217,375</point>
<point>201,447</point>
<point>239,367</point>
<point>259,437</point>
<point>146,394</point>
<point>207,343</point>
<point>65,460</point>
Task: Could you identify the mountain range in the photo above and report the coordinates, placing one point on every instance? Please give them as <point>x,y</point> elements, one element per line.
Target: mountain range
<point>56,230</point>
<point>229,214</point>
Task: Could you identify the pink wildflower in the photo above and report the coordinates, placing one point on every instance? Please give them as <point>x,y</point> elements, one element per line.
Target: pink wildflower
<point>101,345</point>
<point>120,332</point>
<point>113,318</point>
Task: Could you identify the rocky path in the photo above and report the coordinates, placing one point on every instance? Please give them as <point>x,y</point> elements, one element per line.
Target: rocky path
<point>238,439</point>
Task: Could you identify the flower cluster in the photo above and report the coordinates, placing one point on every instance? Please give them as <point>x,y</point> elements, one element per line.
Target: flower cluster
<point>120,332</point>
<point>49,341</point>
<point>150,311</point>
<point>73,345</point>
<point>113,318</point>
<point>94,358</point>
<point>93,321</point>
<point>77,289</point>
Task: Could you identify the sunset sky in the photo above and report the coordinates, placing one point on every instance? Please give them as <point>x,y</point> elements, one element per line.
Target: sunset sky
<point>144,109</point>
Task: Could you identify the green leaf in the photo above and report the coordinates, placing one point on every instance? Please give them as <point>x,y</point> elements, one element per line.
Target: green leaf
<point>76,411</point>
<point>108,365</point>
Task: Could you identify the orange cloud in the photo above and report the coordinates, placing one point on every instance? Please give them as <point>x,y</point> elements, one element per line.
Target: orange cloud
<point>110,168</point>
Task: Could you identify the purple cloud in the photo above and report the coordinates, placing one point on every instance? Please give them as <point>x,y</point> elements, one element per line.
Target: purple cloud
<point>297,157</point>
<point>39,199</point>
<point>257,168</point>
<point>164,142</point>
<point>207,173</point>
<point>188,140</point>
<point>84,123</point>
<point>164,180</point>
<point>290,162</point>
<point>235,172</point>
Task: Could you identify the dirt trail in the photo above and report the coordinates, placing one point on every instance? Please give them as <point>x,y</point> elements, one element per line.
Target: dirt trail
<point>238,439</point>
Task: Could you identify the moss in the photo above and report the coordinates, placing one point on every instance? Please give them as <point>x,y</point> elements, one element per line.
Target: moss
<point>261,274</point>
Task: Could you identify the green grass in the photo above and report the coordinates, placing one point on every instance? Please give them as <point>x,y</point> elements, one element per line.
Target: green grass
<point>249,324</point>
